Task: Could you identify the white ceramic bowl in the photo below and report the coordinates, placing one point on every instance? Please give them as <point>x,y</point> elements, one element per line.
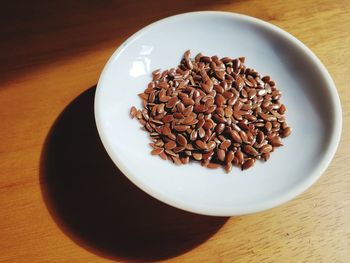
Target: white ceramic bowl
<point>313,111</point>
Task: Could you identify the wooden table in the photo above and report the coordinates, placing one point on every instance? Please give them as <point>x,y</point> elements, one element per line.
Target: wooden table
<point>60,198</point>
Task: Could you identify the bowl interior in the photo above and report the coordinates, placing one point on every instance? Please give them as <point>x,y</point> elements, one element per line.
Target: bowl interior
<point>313,112</point>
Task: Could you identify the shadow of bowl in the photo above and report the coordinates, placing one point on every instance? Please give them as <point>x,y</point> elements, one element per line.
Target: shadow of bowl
<point>98,207</point>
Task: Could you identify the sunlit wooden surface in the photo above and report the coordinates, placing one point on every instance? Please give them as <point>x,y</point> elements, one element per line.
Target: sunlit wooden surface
<point>61,198</point>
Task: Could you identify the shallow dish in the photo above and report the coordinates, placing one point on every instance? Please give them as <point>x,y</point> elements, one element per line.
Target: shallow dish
<point>313,111</point>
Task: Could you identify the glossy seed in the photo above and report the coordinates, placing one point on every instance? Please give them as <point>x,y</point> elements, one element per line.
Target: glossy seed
<point>239,83</point>
<point>243,126</point>
<point>187,120</point>
<point>229,156</point>
<point>170,145</point>
<point>282,109</point>
<point>276,141</point>
<point>228,95</point>
<point>225,144</point>
<point>181,128</point>
<point>237,115</point>
<point>201,145</point>
<point>219,119</point>
<point>251,93</point>
<point>260,137</point>
<point>261,92</point>
<point>248,149</point>
<point>171,102</point>
<point>267,117</point>
<point>164,98</point>
<point>193,135</point>
<point>159,143</point>
<point>170,152</point>
<point>201,132</point>
<point>213,165</point>
<point>180,107</point>
<point>219,100</point>
<point>172,136</point>
<point>219,89</point>
<point>268,126</point>
<point>265,148</point>
<point>163,85</point>
<point>188,110</point>
<point>157,151</point>
<point>211,145</point>
<point>188,101</point>
<point>199,108</point>
<point>266,79</point>
<point>197,156</point>
<point>220,111</point>
<point>219,128</point>
<point>286,132</point>
<point>181,140</point>
<point>244,136</point>
<point>143,96</point>
<point>168,118</point>
<point>163,155</point>
<point>221,154</point>
<point>176,160</point>
<point>265,156</point>
<point>235,162</point>
<point>178,149</point>
<point>228,167</point>
<point>240,156</point>
<point>247,164</point>
<point>250,117</point>
<point>235,136</point>
<point>208,125</point>
<point>228,112</point>
<point>166,130</point>
<point>185,160</point>
<point>133,112</point>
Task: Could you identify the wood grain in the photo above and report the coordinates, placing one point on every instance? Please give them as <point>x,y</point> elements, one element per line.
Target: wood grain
<point>60,198</point>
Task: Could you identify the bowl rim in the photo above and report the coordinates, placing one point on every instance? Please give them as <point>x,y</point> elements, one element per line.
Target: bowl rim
<point>281,199</point>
